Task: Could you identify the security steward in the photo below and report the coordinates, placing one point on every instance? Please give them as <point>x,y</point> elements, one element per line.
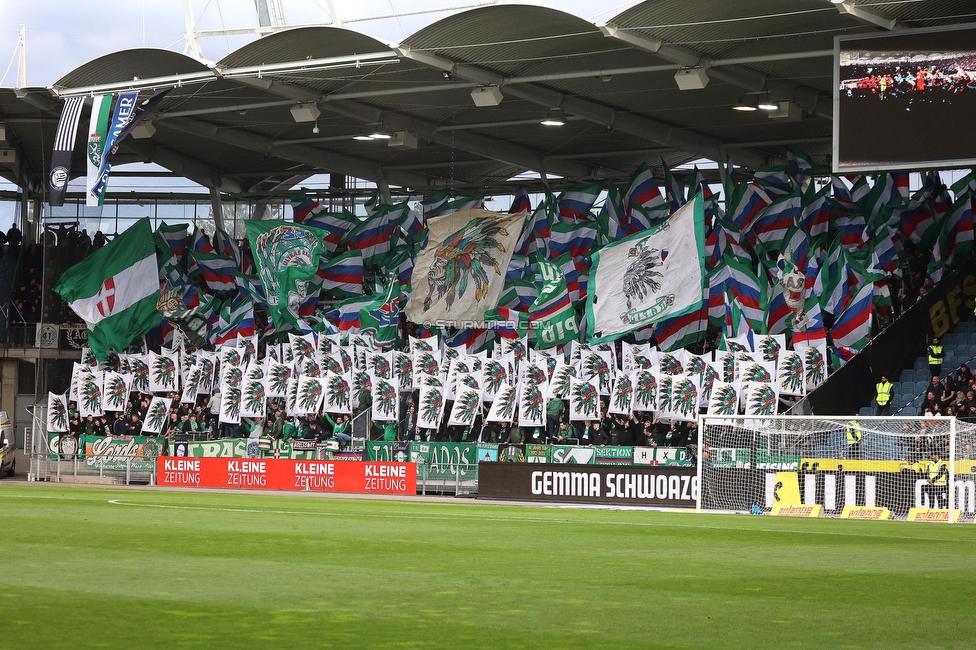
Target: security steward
<point>854,437</point>
<point>937,481</point>
<point>936,355</point>
<point>883,397</point>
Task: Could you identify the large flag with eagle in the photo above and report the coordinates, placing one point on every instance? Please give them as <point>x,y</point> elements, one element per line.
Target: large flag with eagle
<point>649,276</point>
<point>460,273</point>
<point>287,256</point>
<point>115,290</point>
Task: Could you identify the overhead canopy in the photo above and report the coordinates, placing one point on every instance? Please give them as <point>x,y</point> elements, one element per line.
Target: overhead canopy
<point>230,124</point>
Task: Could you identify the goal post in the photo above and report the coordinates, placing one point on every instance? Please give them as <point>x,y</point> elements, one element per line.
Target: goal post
<point>906,468</point>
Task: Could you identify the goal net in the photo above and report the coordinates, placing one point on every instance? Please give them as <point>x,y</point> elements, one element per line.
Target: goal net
<point>834,466</point>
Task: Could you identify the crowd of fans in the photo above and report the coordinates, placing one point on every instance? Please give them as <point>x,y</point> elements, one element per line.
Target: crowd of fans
<point>931,82</point>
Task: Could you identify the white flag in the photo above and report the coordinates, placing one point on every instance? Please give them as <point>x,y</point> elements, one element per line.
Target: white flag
<point>648,277</point>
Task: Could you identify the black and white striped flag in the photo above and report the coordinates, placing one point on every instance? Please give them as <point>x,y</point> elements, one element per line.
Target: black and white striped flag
<point>64,142</point>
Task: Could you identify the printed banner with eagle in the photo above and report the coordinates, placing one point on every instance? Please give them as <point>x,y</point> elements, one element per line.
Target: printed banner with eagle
<point>648,277</point>
<point>460,273</point>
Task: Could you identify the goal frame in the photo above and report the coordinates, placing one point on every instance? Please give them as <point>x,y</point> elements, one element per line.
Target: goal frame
<point>703,418</point>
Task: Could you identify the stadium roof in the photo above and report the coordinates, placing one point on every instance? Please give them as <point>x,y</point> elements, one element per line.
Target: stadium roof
<point>229,124</point>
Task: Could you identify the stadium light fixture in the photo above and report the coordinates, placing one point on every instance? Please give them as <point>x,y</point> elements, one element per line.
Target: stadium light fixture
<point>554,118</point>
<point>767,104</point>
<point>381,132</point>
<point>744,106</point>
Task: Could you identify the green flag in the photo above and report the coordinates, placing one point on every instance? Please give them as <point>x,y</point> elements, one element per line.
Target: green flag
<point>381,318</point>
<point>552,314</point>
<point>287,256</point>
<point>115,290</point>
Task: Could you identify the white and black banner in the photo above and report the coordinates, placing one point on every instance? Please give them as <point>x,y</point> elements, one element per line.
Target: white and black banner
<point>64,143</point>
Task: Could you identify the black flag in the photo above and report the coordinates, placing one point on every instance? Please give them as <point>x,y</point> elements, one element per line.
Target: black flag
<point>64,142</point>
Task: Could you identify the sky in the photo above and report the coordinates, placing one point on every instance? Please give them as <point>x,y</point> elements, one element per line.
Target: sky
<point>62,35</point>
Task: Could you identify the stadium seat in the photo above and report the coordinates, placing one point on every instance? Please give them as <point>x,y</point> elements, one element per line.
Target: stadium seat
<point>923,375</point>
<point>867,410</point>
<point>920,387</point>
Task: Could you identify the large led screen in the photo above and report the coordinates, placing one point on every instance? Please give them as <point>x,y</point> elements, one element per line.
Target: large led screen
<point>905,100</point>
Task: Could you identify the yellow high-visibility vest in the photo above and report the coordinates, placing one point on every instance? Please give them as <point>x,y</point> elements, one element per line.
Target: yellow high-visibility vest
<point>935,469</point>
<point>854,434</point>
<point>935,354</point>
<point>884,392</point>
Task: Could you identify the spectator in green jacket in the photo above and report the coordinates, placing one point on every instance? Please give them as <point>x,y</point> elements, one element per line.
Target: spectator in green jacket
<point>554,412</point>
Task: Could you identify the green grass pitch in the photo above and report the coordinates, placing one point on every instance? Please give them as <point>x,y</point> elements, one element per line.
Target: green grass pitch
<point>103,568</point>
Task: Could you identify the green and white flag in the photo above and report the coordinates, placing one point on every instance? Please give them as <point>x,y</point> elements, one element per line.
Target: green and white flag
<point>115,290</point>
<point>101,111</point>
<point>649,276</point>
<point>287,256</point>
<point>381,318</point>
<point>552,314</point>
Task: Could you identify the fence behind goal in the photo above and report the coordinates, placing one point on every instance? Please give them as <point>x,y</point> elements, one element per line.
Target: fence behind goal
<point>833,466</point>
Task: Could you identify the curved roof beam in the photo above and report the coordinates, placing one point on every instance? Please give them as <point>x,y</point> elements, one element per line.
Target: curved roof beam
<point>469,142</point>
<point>187,167</point>
<point>636,125</point>
<point>737,75</point>
<point>317,158</point>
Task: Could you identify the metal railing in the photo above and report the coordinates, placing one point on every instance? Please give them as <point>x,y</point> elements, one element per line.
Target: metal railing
<point>458,479</point>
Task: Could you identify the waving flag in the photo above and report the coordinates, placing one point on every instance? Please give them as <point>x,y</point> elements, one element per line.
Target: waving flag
<point>373,236</point>
<point>411,221</point>
<point>381,317</point>
<point>748,200</point>
<point>851,226</point>
<point>115,289</point>
<point>217,270</point>
<point>815,214</point>
<point>343,273</point>
<point>338,225</point>
<point>462,204</point>
<point>680,331</point>
<point>345,314</point>
<point>577,239</point>
<point>955,242</point>
<point>235,318</point>
<point>552,314</point>
<point>643,191</point>
<point>715,292</point>
<point>432,206</point>
<point>611,218</point>
<point>672,188</point>
<point>176,237</point>
<point>460,273</point>
<point>520,202</point>
<point>648,277</point>
<point>774,222</point>
<point>287,257</point>
<point>575,202</point>
<point>743,285</point>
<point>854,323</point>
<point>775,180</point>
<point>800,165</point>
<point>519,294</point>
